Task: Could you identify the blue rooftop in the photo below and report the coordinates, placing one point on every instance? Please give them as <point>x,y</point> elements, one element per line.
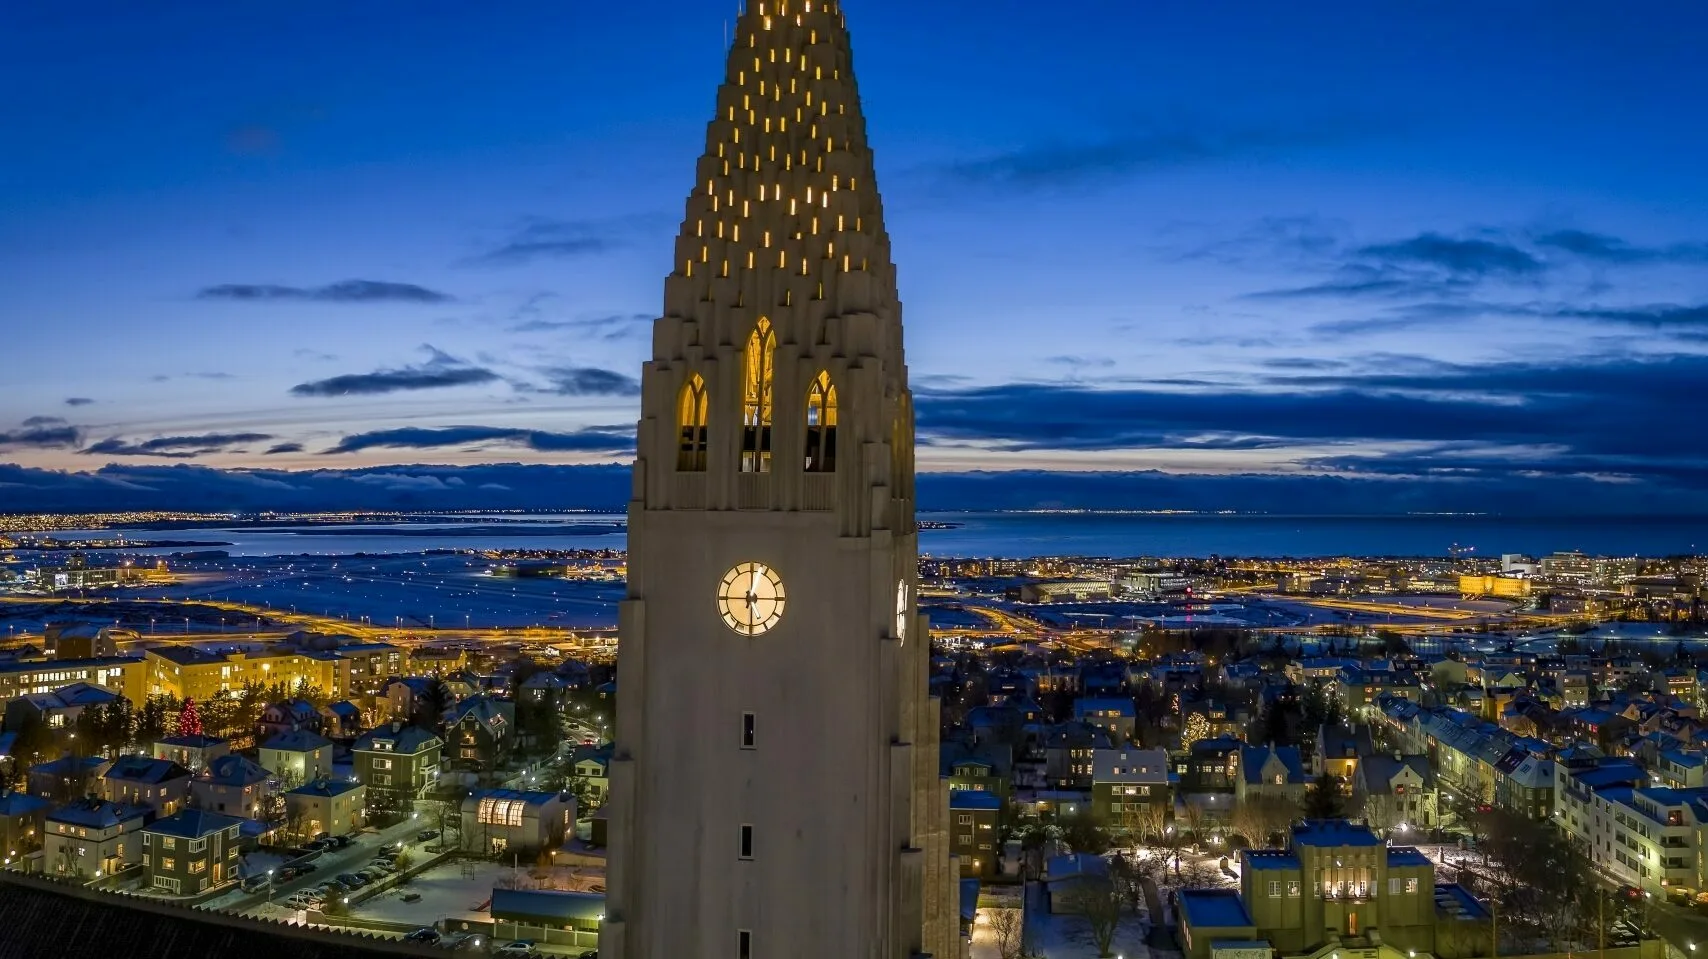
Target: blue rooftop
<point>1269,859</point>
<point>556,908</point>
<point>1213,909</point>
<point>973,799</point>
<point>1407,856</point>
<point>1456,901</point>
<point>1333,832</point>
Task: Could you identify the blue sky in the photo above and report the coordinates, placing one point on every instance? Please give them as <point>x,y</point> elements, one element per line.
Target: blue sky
<point>1397,242</point>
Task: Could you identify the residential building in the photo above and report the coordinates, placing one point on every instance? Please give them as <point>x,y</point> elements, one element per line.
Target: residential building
<point>1645,836</point>
<point>974,819</point>
<point>342,719</point>
<point>1208,778</point>
<point>90,838</point>
<point>22,820</point>
<point>1524,783</point>
<point>191,852</point>
<point>159,784</point>
<point>291,716</point>
<point>1271,771</point>
<point>335,806</point>
<point>1116,715</point>
<point>1396,794</point>
<point>497,821</point>
<point>67,778</point>
<point>1068,753</point>
<point>593,766</point>
<point>481,733</point>
<point>370,665</point>
<point>191,752</point>
<point>116,674</point>
<point>1129,789</point>
<point>59,708</point>
<point>397,762</point>
<point>296,757</point>
<point>986,768</point>
<point>236,786</point>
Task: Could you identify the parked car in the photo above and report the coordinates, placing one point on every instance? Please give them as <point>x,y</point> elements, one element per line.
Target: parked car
<point>304,868</point>
<point>429,936</point>
<point>521,947</point>
<point>392,847</point>
<point>343,842</point>
<point>427,835</point>
<point>255,883</point>
<point>410,897</point>
<point>383,868</point>
<point>352,880</point>
<point>322,836</point>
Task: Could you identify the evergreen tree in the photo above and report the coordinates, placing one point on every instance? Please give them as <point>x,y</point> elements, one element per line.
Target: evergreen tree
<point>1322,799</point>
<point>189,720</point>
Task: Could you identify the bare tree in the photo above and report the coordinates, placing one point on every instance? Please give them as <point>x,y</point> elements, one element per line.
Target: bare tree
<point>1009,927</point>
<point>1261,815</point>
<point>1097,900</point>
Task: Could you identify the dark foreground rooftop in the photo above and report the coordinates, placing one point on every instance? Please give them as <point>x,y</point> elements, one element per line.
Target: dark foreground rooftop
<point>42,918</point>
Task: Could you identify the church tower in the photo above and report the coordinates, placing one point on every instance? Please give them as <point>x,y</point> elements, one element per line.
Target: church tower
<point>775,790</point>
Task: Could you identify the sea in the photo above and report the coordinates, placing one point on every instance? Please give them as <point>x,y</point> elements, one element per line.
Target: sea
<point>1018,535</point>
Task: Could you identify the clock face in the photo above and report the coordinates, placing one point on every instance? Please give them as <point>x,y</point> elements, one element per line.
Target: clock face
<point>901,611</point>
<point>750,598</point>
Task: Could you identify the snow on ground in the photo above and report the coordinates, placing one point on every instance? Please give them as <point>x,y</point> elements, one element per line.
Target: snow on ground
<point>452,890</point>
<point>1069,937</point>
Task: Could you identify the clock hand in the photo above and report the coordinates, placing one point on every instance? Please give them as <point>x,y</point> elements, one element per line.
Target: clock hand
<point>754,589</point>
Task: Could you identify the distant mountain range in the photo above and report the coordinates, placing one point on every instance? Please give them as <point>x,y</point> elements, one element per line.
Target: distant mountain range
<point>511,486</point>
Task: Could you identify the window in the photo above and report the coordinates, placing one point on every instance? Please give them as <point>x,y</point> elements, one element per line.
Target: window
<point>746,841</point>
<point>1293,888</point>
<point>1393,887</point>
<point>197,845</point>
<point>167,884</point>
<point>821,425</point>
<point>756,398</point>
<point>965,819</point>
<point>1411,885</point>
<point>168,842</point>
<point>382,764</point>
<point>198,867</point>
<point>1275,889</point>
<point>747,733</point>
<point>691,422</point>
<point>500,812</point>
<point>744,944</point>
<point>168,864</point>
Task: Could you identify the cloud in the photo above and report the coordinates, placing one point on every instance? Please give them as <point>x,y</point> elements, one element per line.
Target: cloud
<point>1614,415</point>
<point>345,291</point>
<point>78,401</point>
<point>1603,248</point>
<point>174,447</point>
<point>541,238</point>
<point>1470,257</point>
<point>1067,164</point>
<point>604,439</point>
<point>611,327</point>
<point>440,371</point>
<point>41,432</point>
<point>588,381</point>
<point>284,448</point>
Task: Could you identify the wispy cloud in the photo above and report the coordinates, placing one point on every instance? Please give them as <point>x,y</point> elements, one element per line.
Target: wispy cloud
<point>175,447</point>
<point>78,401</point>
<point>284,448</point>
<point>440,371</point>
<point>1072,164</point>
<point>542,238</point>
<point>589,381</point>
<point>41,432</point>
<point>604,439</point>
<point>1603,248</point>
<point>1474,257</point>
<point>345,291</point>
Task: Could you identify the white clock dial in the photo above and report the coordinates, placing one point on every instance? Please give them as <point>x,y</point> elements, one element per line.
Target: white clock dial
<point>901,611</point>
<point>750,599</point>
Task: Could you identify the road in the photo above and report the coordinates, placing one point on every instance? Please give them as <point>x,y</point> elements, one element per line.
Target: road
<point>330,864</point>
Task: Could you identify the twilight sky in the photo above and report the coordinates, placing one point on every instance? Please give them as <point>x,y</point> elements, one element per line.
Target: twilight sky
<point>1421,242</point>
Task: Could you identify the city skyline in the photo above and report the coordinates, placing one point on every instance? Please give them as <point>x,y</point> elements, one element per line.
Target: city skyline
<point>1344,242</point>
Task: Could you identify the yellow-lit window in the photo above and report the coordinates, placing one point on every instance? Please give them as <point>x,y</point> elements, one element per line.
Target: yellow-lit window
<point>691,413</point>
<point>757,371</point>
<point>821,425</point>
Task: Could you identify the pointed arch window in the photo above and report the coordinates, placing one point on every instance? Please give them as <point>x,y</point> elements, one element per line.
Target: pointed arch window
<point>691,413</point>
<point>757,372</point>
<point>821,425</point>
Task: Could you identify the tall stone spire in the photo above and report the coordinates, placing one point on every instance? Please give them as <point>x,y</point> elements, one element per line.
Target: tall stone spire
<point>785,211</point>
<point>774,781</point>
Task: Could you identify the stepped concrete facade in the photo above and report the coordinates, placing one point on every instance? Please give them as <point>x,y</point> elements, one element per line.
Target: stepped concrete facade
<point>774,784</point>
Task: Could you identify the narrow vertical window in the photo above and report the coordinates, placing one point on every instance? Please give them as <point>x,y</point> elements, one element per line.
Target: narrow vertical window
<point>756,399</point>
<point>821,425</point>
<point>746,841</point>
<point>744,944</point>
<point>691,423</point>
<point>747,731</point>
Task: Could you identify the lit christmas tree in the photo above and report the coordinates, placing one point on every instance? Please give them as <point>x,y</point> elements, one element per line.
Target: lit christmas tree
<point>189,723</point>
